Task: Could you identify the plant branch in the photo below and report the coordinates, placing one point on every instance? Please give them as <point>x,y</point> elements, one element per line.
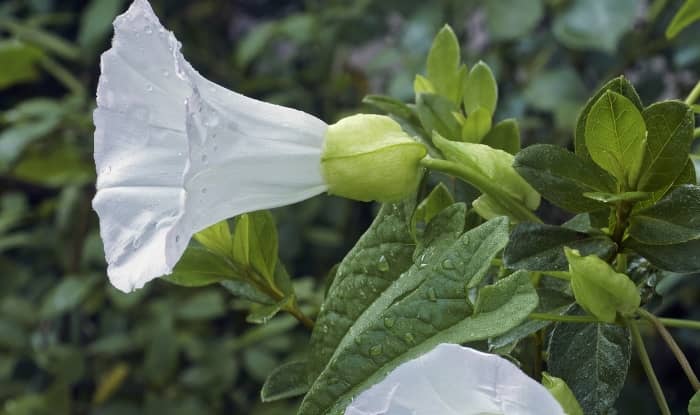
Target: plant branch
<point>677,352</point>
<point>680,323</point>
<point>648,368</point>
<point>694,95</point>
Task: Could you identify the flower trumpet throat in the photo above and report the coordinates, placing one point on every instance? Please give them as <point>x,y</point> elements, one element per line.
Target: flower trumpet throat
<point>369,157</point>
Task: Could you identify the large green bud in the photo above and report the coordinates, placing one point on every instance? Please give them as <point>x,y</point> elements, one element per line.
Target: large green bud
<point>369,157</point>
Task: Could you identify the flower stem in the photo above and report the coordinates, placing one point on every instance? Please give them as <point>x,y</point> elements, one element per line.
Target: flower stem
<point>680,323</point>
<point>504,200</point>
<point>563,318</point>
<point>648,368</point>
<point>694,95</point>
<point>677,352</point>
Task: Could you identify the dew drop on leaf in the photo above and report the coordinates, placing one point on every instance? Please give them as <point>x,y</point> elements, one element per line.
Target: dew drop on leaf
<point>432,296</point>
<point>389,322</point>
<point>383,264</point>
<point>376,350</point>
<point>448,264</point>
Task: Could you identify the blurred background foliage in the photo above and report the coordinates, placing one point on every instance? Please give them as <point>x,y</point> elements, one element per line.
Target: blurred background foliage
<point>71,344</point>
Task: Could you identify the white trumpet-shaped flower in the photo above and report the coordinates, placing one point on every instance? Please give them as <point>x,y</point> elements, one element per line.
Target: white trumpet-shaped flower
<point>456,380</point>
<point>176,153</point>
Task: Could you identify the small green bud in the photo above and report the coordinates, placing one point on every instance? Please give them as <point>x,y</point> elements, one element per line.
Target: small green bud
<point>599,289</point>
<point>369,157</point>
<point>562,393</point>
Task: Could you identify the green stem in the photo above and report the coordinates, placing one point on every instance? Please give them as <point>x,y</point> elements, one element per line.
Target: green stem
<point>563,318</point>
<point>694,95</point>
<point>648,368</point>
<point>486,186</point>
<point>680,323</point>
<point>696,133</point>
<point>677,352</point>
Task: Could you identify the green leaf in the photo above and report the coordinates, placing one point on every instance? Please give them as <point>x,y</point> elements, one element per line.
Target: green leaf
<point>67,295</point>
<point>670,134</point>
<point>599,289</point>
<point>686,176</point>
<point>505,135</point>
<point>217,238</point>
<point>287,381</point>
<point>427,306</point>
<point>673,220</point>
<point>383,253</point>
<point>61,166</point>
<point>422,85</point>
<point>512,19</point>
<point>262,313</point>
<point>96,22</point>
<point>247,291</point>
<point>593,359</point>
<point>536,247</point>
<point>561,392</point>
<point>694,404</point>
<point>620,85</point>
<point>562,177</point>
<point>565,103</point>
<point>254,43</point>
<point>438,199</point>
<point>682,257</point>
<point>443,64</point>
<point>595,24</point>
<point>436,113</point>
<point>476,126</point>
<point>205,304</point>
<point>19,63</point>
<point>616,137</point>
<point>492,165</point>
<point>688,14</point>
<point>255,243</point>
<point>390,106</point>
<point>480,89</point>
<point>614,198</point>
<point>199,266</point>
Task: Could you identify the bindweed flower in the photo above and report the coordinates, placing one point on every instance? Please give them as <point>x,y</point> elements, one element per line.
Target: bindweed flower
<point>176,153</point>
<point>456,380</point>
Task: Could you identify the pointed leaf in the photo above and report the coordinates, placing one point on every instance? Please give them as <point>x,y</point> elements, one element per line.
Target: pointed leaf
<point>436,113</point>
<point>200,266</point>
<point>687,15</point>
<point>480,89</point>
<point>255,243</point>
<point>287,381</point>
<point>443,63</point>
<point>476,126</point>
<point>217,238</point>
<point>616,137</point>
<point>505,136</point>
<point>675,219</point>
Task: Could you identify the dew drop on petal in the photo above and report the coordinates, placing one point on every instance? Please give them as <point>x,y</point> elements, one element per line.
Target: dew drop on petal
<point>166,73</point>
<point>204,190</point>
<point>149,88</point>
<point>177,238</point>
<point>204,158</point>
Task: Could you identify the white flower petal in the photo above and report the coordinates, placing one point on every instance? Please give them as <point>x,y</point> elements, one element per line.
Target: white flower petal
<point>456,380</point>
<point>176,153</point>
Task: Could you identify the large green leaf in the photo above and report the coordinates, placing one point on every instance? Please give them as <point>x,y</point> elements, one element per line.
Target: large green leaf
<point>383,253</point>
<point>287,381</point>
<point>426,306</point>
<point>443,64</point>
<point>536,247</point>
<point>593,360</point>
<point>511,19</point>
<point>682,257</point>
<point>620,85</point>
<point>670,133</point>
<point>675,219</point>
<point>595,24</point>
<point>562,177</point>
<point>616,137</point>
<point>688,14</point>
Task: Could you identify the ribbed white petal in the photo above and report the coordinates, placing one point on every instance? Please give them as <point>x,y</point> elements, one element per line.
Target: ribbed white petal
<point>456,380</point>
<point>176,153</point>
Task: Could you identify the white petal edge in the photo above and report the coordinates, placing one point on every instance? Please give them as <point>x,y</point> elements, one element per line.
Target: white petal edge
<point>456,380</point>
<point>176,153</point>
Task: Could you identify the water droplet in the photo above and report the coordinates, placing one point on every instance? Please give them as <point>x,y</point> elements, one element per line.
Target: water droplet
<point>177,238</point>
<point>216,148</point>
<point>166,73</point>
<point>149,88</point>
<point>136,243</point>
<point>108,170</point>
<point>408,337</point>
<point>376,350</point>
<point>161,30</point>
<point>448,264</point>
<point>179,153</point>
<point>204,190</point>
<point>383,264</point>
<point>325,328</point>
<point>204,158</point>
<point>432,295</point>
<point>389,322</point>
<point>186,101</point>
<point>149,30</point>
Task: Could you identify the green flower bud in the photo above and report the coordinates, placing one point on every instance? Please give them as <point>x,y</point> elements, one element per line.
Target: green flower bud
<point>599,289</point>
<point>562,393</point>
<point>369,157</point>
